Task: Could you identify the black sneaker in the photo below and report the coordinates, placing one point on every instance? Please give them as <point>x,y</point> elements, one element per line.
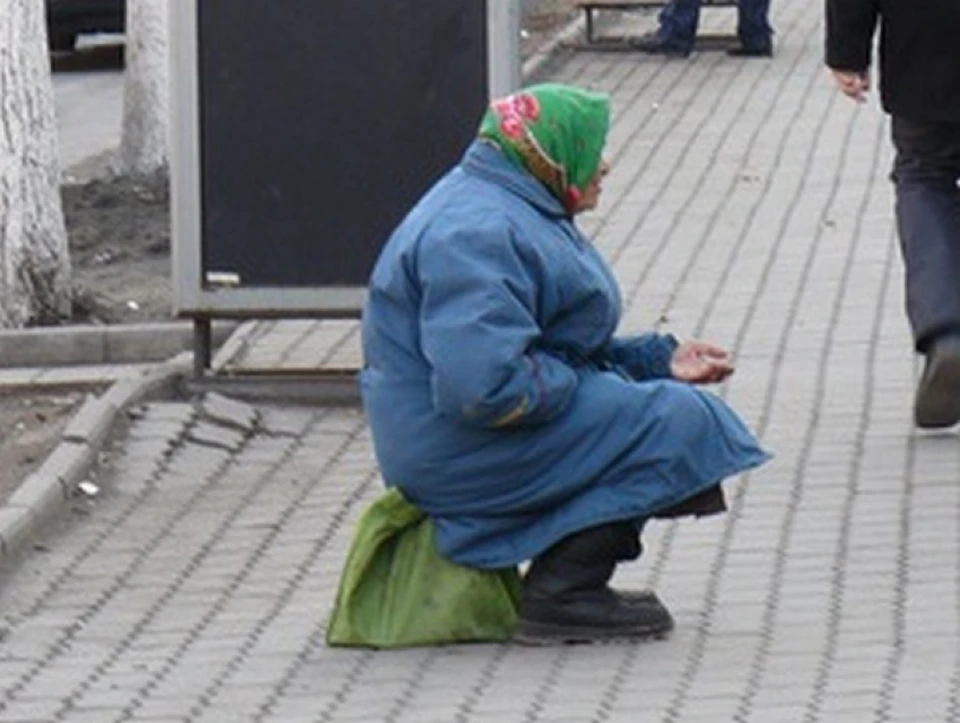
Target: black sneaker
<point>937,403</point>
<point>652,44</point>
<point>592,616</point>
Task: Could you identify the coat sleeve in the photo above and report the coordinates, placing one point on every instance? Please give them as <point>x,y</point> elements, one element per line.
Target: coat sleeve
<point>850,26</point>
<point>646,356</point>
<point>479,331</point>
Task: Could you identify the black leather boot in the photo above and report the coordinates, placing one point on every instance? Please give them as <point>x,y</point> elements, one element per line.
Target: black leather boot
<point>567,599</point>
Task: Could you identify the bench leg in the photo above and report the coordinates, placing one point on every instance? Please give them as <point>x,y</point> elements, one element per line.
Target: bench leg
<point>589,12</point>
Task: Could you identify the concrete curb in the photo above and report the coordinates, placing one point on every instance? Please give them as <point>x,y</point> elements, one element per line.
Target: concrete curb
<point>108,344</point>
<point>46,491</point>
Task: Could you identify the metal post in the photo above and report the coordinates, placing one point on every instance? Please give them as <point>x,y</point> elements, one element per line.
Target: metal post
<point>503,46</point>
<point>202,346</point>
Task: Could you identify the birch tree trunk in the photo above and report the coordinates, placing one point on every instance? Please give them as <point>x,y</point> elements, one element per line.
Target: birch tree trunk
<point>34,256</point>
<point>143,145</point>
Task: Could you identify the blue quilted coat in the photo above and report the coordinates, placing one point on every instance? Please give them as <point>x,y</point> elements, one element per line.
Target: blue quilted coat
<point>499,399</point>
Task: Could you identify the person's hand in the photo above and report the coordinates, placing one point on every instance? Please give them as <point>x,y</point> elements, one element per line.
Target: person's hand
<point>700,363</point>
<point>853,84</point>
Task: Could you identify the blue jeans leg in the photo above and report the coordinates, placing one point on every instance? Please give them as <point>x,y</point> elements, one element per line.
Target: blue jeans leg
<point>753,27</point>
<point>926,173</point>
<point>678,23</point>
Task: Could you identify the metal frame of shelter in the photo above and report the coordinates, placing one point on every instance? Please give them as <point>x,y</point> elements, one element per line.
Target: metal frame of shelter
<point>199,294</point>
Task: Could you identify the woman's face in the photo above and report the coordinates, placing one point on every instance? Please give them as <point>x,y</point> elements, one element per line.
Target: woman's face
<point>591,194</point>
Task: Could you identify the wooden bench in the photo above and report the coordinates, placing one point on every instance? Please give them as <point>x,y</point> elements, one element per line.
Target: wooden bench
<point>590,7</point>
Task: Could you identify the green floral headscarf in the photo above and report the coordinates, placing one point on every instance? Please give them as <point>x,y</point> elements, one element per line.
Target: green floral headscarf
<point>554,131</point>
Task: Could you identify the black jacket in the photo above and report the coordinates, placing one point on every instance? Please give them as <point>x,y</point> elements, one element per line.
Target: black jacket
<point>919,52</point>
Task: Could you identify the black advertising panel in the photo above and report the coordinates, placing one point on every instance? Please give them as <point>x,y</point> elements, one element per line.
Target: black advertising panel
<point>321,123</point>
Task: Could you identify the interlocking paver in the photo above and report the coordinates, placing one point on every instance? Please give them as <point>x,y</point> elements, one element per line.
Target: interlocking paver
<point>748,204</point>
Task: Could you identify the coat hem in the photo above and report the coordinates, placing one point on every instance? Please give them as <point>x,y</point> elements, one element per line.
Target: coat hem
<point>625,513</point>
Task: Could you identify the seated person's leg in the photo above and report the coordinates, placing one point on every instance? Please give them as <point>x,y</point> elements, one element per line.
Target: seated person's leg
<point>687,443</point>
<point>677,32</point>
<point>566,596</point>
<point>753,29</point>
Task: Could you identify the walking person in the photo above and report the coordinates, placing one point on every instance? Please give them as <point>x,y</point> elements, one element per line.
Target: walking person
<point>920,89</point>
<point>679,19</point>
<point>500,401</point>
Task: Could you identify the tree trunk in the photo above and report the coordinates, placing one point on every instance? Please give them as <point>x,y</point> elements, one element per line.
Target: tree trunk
<point>34,256</point>
<point>143,146</point>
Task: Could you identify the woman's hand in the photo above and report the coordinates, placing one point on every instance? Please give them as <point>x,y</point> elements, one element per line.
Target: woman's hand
<point>700,363</point>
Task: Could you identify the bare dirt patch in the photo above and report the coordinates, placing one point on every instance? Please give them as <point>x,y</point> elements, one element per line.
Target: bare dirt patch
<point>119,229</point>
<point>31,427</point>
<point>120,250</point>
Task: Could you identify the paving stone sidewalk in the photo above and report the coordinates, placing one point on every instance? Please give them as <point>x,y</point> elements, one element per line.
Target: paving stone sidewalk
<point>749,205</point>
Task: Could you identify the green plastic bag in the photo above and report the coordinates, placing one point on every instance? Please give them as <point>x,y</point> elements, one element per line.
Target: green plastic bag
<point>397,591</point>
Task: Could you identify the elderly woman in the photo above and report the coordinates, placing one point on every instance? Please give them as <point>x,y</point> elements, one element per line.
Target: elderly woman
<point>500,401</point>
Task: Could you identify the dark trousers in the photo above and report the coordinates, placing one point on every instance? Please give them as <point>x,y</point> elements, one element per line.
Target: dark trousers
<point>679,20</point>
<point>926,173</point>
